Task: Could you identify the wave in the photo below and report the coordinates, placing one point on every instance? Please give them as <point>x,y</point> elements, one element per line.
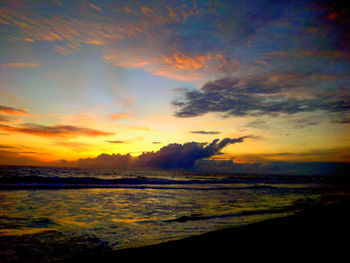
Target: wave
<point>184,219</point>
<point>12,179</point>
<point>41,182</point>
<point>102,181</point>
<point>298,205</point>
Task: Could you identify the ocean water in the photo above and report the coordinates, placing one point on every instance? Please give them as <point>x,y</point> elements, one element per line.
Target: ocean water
<point>48,214</point>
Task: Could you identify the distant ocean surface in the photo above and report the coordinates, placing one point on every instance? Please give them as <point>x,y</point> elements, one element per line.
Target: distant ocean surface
<point>55,213</point>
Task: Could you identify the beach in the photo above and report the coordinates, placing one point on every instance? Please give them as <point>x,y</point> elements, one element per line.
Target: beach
<point>319,232</point>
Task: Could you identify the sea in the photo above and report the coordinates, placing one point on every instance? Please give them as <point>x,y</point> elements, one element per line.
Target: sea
<point>50,214</point>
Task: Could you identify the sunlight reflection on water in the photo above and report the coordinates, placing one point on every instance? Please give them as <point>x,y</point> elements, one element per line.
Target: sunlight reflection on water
<point>125,217</point>
<point>133,216</point>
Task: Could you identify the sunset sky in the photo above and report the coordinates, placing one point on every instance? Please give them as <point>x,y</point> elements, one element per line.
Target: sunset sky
<point>82,78</point>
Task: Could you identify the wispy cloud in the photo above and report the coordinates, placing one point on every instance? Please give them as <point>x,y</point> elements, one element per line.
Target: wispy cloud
<point>94,7</point>
<point>54,131</point>
<point>20,65</point>
<point>2,146</point>
<point>205,132</point>
<point>342,120</point>
<point>142,32</point>
<point>116,142</point>
<point>125,141</point>
<point>183,62</point>
<point>187,40</point>
<point>258,124</point>
<point>4,118</point>
<point>15,111</point>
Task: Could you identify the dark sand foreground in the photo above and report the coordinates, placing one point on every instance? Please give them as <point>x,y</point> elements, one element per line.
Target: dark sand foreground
<point>318,233</point>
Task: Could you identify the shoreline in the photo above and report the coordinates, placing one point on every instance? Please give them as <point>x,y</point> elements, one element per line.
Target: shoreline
<point>319,232</point>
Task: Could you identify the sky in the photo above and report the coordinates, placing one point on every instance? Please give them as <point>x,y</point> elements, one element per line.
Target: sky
<point>87,82</point>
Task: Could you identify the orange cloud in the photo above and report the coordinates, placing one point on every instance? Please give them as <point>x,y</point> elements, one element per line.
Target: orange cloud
<point>69,36</point>
<point>14,111</point>
<point>54,131</point>
<point>28,40</point>
<point>333,16</point>
<point>94,7</point>
<point>74,32</point>
<point>176,66</point>
<point>185,62</point>
<point>145,10</point>
<point>4,119</point>
<point>94,42</point>
<point>171,12</point>
<point>187,76</point>
<point>260,62</point>
<point>185,67</point>
<point>126,61</point>
<point>51,37</point>
<point>20,65</point>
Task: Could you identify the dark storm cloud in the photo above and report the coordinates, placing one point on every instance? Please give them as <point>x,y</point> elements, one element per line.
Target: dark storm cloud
<point>205,132</point>
<point>171,156</point>
<point>238,98</point>
<point>184,155</point>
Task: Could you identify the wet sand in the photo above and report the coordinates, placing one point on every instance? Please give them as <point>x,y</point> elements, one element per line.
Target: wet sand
<point>317,233</point>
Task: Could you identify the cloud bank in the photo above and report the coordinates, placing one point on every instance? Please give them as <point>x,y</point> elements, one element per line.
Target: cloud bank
<point>168,157</point>
<point>254,97</point>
